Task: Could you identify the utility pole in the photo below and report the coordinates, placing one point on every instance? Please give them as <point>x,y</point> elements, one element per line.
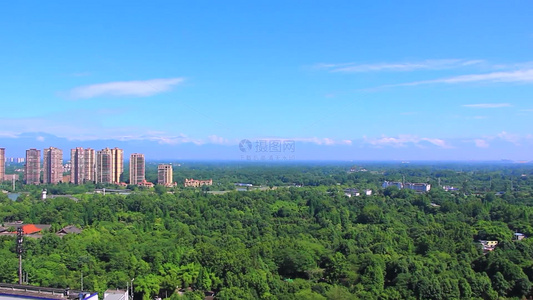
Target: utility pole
<point>131,286</point>
<point>20,238</point>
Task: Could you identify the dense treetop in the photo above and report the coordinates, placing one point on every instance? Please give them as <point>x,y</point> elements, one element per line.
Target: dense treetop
<point>287,242</point>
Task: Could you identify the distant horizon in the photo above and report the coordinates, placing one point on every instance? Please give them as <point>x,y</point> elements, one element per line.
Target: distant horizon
<point>303,152</point>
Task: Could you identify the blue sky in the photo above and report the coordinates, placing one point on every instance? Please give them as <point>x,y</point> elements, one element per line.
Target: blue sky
<point>347,80</point>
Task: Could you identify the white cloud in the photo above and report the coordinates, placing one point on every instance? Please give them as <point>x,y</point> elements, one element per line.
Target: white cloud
<point>515,66</point>
<point>40,138</point>
<point>8,134</point>
<point>346,142</point>
<point>519,76</point>
<point>214,139</point>
<point>480,143</point>
<point>430,64</point>
<point>515,139</point>
<point>436,142</point>
<point>314,140</point>
<point>138,88</point>
<point>488,105</point>
<point>161,138</point>
<point>404,140</point>
<point>509,137</point>
<point>323,141</point>
<point>90,129</point>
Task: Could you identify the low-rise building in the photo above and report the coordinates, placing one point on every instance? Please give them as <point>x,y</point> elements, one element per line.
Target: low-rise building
<point>10,291</point>
<point>418,187</point>
<point>351,192</point>
<point>145,183</point>
<point>519,236</point>
<point>449,188</point>
<point>71,229</point>
<point>387,184</point>
<point>29,230</point>
<point>488,245</point>
<point>116,295</point>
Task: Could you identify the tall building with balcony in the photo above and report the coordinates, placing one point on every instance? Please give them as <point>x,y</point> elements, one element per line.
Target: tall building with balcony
<point>164,174</point>
<point>52,165</point>
<point>89,165</point>
<point>2,164</point>
<point>118,164</point>
<point>109,165</point>
<point>82,165</point>
<point>137,168</point>
<point>104,163</point>
<point>32,168</point>
<point>77,166</point>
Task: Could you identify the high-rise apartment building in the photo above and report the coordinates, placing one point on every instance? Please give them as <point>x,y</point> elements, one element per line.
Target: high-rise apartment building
<point>77,166</point>
<point>137,168</point>
<point>52,165</point>
<point>109,165</point>
<point>32,169</point>
<point>89,165</point>
<point>164,174</point>
<point>118,164</point>
<point>82,165</point>
<point>104,163</point>
<point>2,164</point>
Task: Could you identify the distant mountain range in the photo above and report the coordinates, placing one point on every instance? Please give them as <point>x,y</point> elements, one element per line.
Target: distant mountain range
<point>358,150</point>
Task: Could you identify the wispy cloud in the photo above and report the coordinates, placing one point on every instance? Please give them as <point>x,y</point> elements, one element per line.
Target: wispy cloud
<point>509,137</point>
<point>215,139</point>
<point>8,134</point>
<point>516,139</point>
<point>514,66</point>
<point>488,105</point>
<point>323,141</point>
<point>404,140</point>
<point>430,64</point>
<point>480,143</point>
<point>313,140</point>
<point>137,88</point>
<point>519,76</point>
<point>164,139</point>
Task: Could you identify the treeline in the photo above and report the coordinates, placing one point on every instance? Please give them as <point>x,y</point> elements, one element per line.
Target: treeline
<point>473,178</point>
<point>287,243</point>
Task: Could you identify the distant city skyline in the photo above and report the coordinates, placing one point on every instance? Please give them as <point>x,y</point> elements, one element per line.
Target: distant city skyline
<point>348,80</point>
<point>84,165</point>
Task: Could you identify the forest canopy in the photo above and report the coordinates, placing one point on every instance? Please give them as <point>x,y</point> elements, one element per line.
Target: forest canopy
<point>290,242</point>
